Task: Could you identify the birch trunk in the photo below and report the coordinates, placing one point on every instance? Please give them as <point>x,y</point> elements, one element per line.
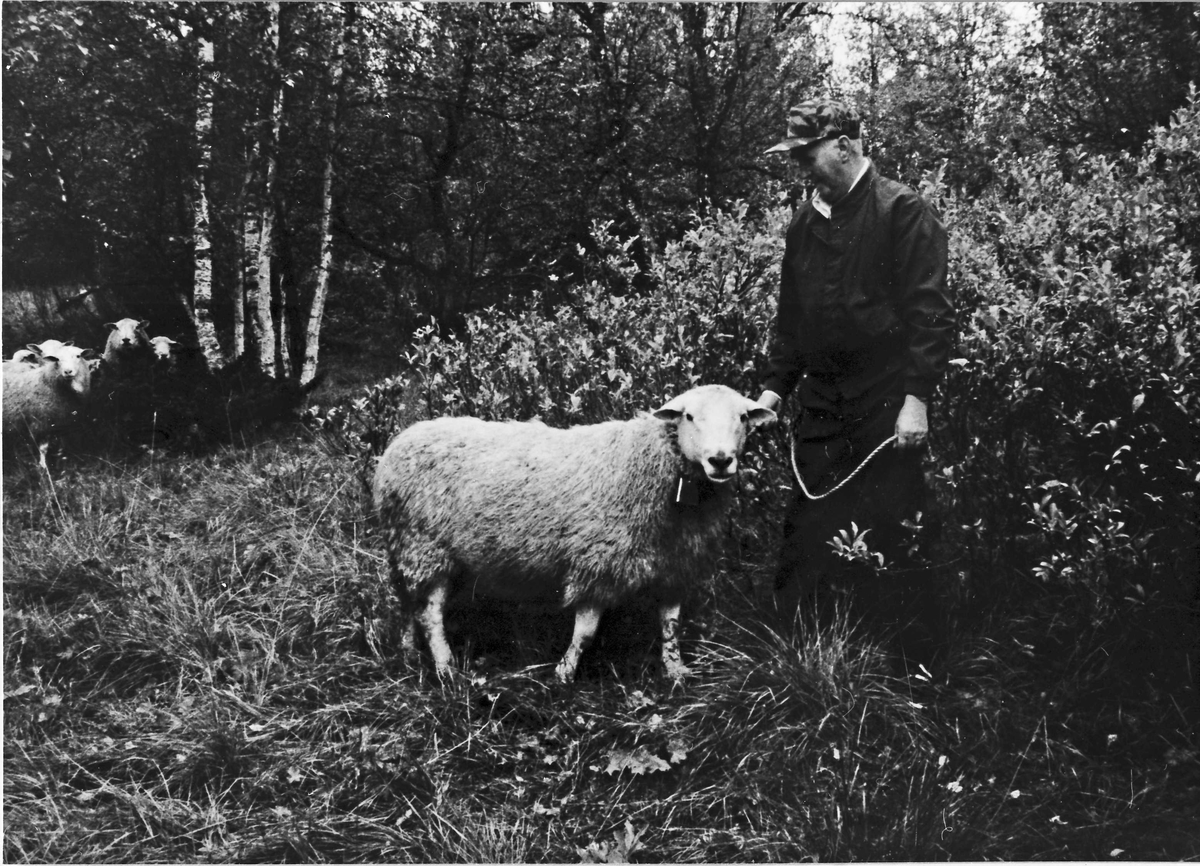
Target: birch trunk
<point>264,322</point>
<point>202,281</point>
<point>312,336</point>
<point>283,351</point>
<point>239,307</point>
<point>245,273</point>
<point>264,326</point>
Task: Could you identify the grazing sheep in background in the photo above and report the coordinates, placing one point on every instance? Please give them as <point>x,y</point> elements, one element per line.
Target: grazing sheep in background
<point>33,352</point>
<point>42,401</point>
<point>123,400</point>
<point>163,352</point>
<point>128,347</point>
<point>586,517</point>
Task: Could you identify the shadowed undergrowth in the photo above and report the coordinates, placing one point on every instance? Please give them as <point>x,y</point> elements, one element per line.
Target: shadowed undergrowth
<point>200,665</point>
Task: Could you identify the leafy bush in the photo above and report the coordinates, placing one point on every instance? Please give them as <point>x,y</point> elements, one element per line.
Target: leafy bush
<point>603,354</point>
<point>1068,432</point>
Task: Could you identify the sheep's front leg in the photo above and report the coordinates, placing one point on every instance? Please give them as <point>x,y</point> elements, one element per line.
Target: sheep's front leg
<point>587,620</point>
<point>430,615</point>
<point>672,659</point>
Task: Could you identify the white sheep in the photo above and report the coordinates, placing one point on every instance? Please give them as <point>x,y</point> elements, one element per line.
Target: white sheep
<point>41,401</point>
<point>162,350</point>
<point>127,349</point>
<point>586,517</point>
<point>33,352</point>
<point>49,347</point>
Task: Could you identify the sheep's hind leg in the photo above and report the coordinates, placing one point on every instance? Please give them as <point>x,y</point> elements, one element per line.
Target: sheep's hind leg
<point>430,615</point>
<point>672,658</point>
<point>407,607</point>
<point>587,620</point>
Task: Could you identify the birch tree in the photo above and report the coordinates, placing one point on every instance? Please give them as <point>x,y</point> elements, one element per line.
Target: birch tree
<point>312,337</point>
<point>264,324</point>
<point>202,269</point>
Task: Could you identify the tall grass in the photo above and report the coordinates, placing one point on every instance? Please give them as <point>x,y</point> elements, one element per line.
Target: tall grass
<point>200,665</point>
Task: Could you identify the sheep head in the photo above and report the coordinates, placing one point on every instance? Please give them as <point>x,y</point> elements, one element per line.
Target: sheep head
<point>72,368</point>
<point>127,334</point>
<point>712,423</point>
<point>162,347</point>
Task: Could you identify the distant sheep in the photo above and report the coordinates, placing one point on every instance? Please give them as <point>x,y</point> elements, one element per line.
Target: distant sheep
<point>41,401</point>
<point>33,352</point>
<point>163,352</point>
<point>586,517</point>
<point>128,347</point>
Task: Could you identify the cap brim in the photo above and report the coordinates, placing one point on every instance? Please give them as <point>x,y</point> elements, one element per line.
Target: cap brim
<point>792,144</point>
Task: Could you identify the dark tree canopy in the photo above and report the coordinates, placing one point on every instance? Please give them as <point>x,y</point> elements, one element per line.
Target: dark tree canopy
<point>477,145</point>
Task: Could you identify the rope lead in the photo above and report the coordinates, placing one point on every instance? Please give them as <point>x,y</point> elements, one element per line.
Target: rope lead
<point>844,481</point>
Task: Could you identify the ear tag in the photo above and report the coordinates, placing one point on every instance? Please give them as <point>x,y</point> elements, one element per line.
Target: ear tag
<point>687,493</point>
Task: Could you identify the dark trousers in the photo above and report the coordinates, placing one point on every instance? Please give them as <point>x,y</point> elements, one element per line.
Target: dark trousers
<point>895,600</point>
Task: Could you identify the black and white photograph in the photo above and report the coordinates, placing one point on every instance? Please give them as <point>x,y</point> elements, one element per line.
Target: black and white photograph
<point>600,432</point>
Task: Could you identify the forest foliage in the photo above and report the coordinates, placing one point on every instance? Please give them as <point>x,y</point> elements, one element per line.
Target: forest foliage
<point>471,147</point>
<point>561,211</point>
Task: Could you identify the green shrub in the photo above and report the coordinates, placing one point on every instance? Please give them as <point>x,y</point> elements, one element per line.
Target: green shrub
<point>601,354</point>
<point>1069,414</point>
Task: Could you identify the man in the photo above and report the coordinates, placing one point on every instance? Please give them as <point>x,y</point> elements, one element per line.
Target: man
<point>863,335</point>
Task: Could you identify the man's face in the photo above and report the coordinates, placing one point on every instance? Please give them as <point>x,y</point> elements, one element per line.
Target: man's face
<point>821,164</point>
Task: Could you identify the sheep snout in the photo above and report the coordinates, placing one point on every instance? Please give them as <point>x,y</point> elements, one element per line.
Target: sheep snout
<point>720,468</point>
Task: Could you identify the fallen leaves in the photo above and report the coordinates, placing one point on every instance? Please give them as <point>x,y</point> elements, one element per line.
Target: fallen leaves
<point>641,760</point>
<point>624,844</point>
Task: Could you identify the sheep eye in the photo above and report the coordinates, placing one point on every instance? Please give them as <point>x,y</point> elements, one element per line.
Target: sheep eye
<point>688,415</point>
<point>745,417</point>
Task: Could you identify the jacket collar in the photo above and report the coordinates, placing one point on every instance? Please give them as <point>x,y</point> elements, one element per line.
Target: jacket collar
<point>857,190</point>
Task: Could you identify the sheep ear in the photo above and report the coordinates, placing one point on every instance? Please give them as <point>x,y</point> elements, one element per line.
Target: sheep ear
<point>670,411</point>
<point>35,348</point>
<point>143,324</point>
<point>112,326</point>
<point>759,415</point>
<point>88,353</point>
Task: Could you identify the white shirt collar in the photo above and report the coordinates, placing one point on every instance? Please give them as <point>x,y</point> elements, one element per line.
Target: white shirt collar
<point>823,207</point>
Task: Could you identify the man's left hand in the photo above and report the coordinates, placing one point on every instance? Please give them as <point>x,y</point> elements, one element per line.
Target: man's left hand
<point>912,427</point>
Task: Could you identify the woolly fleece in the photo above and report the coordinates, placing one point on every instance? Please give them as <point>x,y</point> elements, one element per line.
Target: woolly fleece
<point>40,401</point>
<point>583,517</point>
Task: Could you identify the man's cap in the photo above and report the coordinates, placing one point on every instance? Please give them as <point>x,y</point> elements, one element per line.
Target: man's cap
<point>817,119</point>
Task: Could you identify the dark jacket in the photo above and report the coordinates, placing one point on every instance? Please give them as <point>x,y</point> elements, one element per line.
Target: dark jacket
<point>864,311</point>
